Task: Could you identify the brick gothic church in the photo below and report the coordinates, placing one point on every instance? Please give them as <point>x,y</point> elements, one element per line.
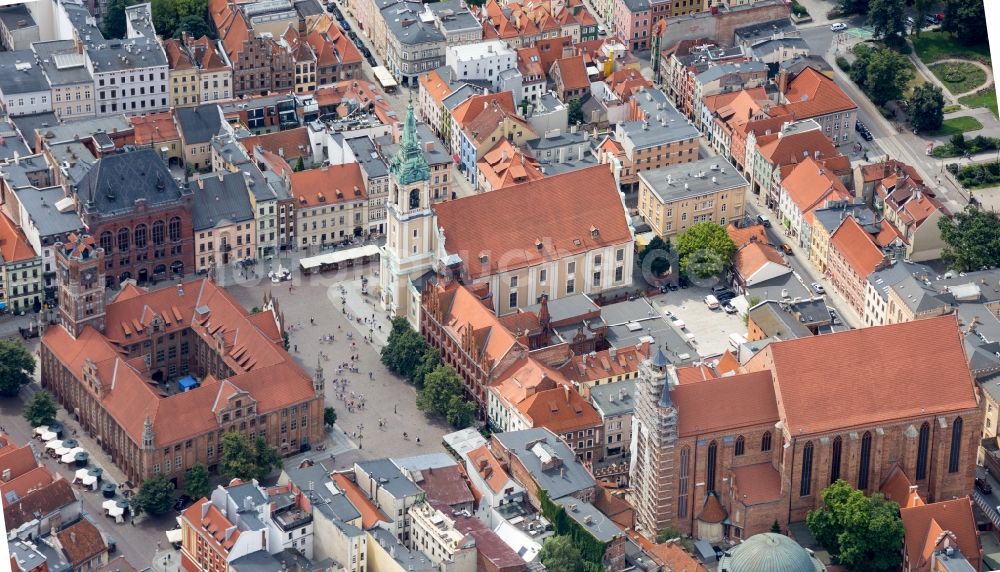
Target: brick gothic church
<point>728,456</point>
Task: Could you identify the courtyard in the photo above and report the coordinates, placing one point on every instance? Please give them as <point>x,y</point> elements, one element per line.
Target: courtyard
<point>711,328</point>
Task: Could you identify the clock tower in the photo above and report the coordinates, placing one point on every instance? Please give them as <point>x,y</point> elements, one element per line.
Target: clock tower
<point>408,253</point>
<point>80,281</point>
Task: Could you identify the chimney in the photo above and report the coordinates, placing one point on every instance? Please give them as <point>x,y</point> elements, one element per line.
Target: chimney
<point>782,82</point>
<point>566,392</point>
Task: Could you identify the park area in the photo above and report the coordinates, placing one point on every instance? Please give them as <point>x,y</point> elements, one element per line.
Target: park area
<point>959,77</point>
<point>964,70</point>
<point>957,125</point>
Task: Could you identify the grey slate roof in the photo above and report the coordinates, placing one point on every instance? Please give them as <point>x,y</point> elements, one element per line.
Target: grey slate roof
<point>623,317</point>
<point>900,271</point>
<point>307,8</point>
<point>774,320</point>
<point>558,481</point>
<point>29,79</point>
<point>368,157</point>
<point>410,560</point>
<point>403,21</point>
<point>772,289</point>
<point>198,124</point>
<point>27,124</point>
<point>16,16</point>
<point>681,181</point>
<point>621,392</point>
<point>61,64</point>
<point>16,174</point>
<point>771,46</point>
<point>396,483</point>
<point>83,128</point>
<point>438,155</point>
<point>11,142</point>
<point>665,125</point>
<point>220,200</point>
<point>39,203</point>
<point>636,6</point>
<point>459,96</point>
<point>324,496</point>
<point>831,217</point>
<point>123,55</point>
<point>116,181</point>
<point>590,519</point>
<point>715,72</point>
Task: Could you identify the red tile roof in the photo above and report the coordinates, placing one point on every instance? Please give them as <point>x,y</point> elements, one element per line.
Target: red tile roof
<point>561,211</point>
<point>14,245</point>
<point>559,410</point>
<point>591,367</point>
<point>795,147</point>
<point>741,236</point>
<point>749,402</point>
<point>571,72</point>
<point>756,484</point>
<point>898,488</point>
<point>445,485</point>
<point>154,128</point>
<point>212,526</point>
<point>44,501</point>
<point>753,256</point>
<point>290,143</point>
<point>81,542</point>
<point>462,311</point>
<point>913,369</point>
<point>20,486</point>
<point>857,247</point>
<point>17,460</point>
<point>810,185</point>
<point>328,185</point>
<point>924,527</point>
<point>505,165</point>
<point>371,515</point>
<point>812,94</point>
<point>489,468</point>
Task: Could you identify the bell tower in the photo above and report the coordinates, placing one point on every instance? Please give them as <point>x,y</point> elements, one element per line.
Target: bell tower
<point>409,249</point>
<point>80,281</point>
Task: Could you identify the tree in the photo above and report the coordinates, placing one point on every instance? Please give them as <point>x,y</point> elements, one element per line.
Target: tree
<point>920,8</point>
<point>861,533</point>
<point>775,527</point>
<point>972,239</point>
<point>16,367</point>
<point>239,457</point>
<point>575,113</point>
<point>958,141</point>
<point>883,73</point>
<point>155,496</point>
<point>171,17</point>
<point>428,362</point>
<point>114,18</point>
<point>266,458</point>
<point>404,348</point>
<point>559,554</point>
<point>848,7</point>
<point>40,409</point>
<point>965,20</point>
<point>329,416</point>
<point>705,250</point>
<point>886,17</point>
<point>926,110</point>
<point>461,412</point>
<point>655,252</point>
<point>300,165</point>
<point>194,25</point>
<point>440,386</point>
<point>196,481</point>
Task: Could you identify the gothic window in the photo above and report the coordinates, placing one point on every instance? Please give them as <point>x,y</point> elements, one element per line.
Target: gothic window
<point>838,445</point>
<point>158,232</point>
<point>140,236</point>
<point>864,463</point>
<point>740,446</point>
<point>682,484</point>
<point>106,241</point>
<point>710,471</point>
<point>805,487</point>
<point>765,442</point>
<point>123,239</point>
<point>414,199</point>
<point>922,443</point>
<point>956,445</point>
<point>175,229</point>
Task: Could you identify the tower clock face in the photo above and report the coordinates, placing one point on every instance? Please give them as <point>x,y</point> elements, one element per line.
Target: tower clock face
<point>88,276</point>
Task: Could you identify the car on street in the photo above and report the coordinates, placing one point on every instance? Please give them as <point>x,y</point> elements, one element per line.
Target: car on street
<point>787,249</point>
<point>371,60</point>
<point>838,27</point>
<point>983,485</point>
<point>344,24</point>
<point>866,135</point>
<point>761,219</point>
<point>818,288</point>
<point>834,317</point>
<point>366,52</point>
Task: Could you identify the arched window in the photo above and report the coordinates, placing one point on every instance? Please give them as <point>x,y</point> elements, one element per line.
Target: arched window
<point>414,199</point>
<point>922,444</point>
<point>956,445</point>
<point>158,233</point>
<point>864,462</point>
<point>740,446</point>
<point>140,236</point>
<point>682,483</point>
<point>175,229</point>
<point>106,241</point>
<point>710,473</point>
<point>805,487</point>
<point>765,442</point>
<point>123,239</point>
<point>838,445</point>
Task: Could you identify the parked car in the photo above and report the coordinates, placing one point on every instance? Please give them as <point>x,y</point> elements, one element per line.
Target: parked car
<point>834,317</point>
<point>371,60</point>
<point>719,288</point>
<point>866,135</point>
<point>983,485</point>
<point>366,52</point>
<point>729,308</point>
<point>712,302</point>
<point>761,219</point>
<point>786,249</point>
<point>931,19</point>
<point>726,296</point>
<point>182,503</point>
<point>818,288</point>
<point>838,27</point>
<point>859,126</point>
<point>910,21</point>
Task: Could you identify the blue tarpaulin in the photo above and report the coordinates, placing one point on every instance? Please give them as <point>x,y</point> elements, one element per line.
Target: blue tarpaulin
<point>187,382</point>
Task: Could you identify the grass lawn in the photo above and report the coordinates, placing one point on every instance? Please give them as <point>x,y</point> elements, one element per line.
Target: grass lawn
<point>935,45</point>
<point>959,77</point>
<point>950,108</point>
<point>987,98</point>
<point>958,125</point>
<point>916,81</point>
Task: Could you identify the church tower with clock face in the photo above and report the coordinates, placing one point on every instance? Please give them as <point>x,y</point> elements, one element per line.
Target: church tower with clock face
<point>80,282</point>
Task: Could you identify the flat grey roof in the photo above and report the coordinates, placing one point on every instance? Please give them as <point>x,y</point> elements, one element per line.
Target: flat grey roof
<point>773,288</point>
<point>900,270</point>
<point>438,155</point>
<point>131,54</point>
<point>686,180</point>
<point>20,73</point>
<point>590,519</point>
<point>16,16</point>
<point>403,21</point>
<point>199,124</point>
<point>395,483</point>
<point>368,157</point>
<point>831,217</point>
<point>424,462</point>
<point>633,321</point>
<point>613,399</point>
<point>562,139</point>
<point>61,64</point>
<point>40,205</point>
<point>777,321</point>
<point>83,128</point>
<point>11,142</point>
<point>554,480</point>
<point>665,123</point>
<point>410,560</point>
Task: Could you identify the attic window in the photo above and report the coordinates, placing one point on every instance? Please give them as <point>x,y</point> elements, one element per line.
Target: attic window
<point>594,232</point>
<point>538,244</point>
<point>483,258</point>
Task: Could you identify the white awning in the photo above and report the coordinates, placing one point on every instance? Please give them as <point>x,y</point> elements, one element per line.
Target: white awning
<point>338,256</point>
<point>174,536</point>
<point>49,435</point>
<point>41,429</point>
<point>54,445</point>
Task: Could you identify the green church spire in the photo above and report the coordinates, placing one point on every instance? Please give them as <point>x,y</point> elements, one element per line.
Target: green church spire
<point>409,165</point>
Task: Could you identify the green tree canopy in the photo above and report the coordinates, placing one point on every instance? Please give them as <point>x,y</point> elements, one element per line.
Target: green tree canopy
<point>575,113</point>
<point>238,457</point>
<point>656,254</point>
<point>705,250</point>
<point>113,25</point>
<point>461,412</point>
<point>171,17</point>
<point>443,394</point>
<point>40,409</point>
<point>965,20</point>
<point>926,110</point>
<point>881,73</point>
<point>16,367</point>
<point>972,239</point>
<point>559,554</point>
<point>861,533</point>
<point>853,6</point>
<point>887,19</point>
<point>404,348</point>
<point>329,416</point>
<point>300,165</point>
<point>266,458</point>
<point>428,362</point>
<point>196,481</point>
<point>197,26</point>
<point>155,496</point>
